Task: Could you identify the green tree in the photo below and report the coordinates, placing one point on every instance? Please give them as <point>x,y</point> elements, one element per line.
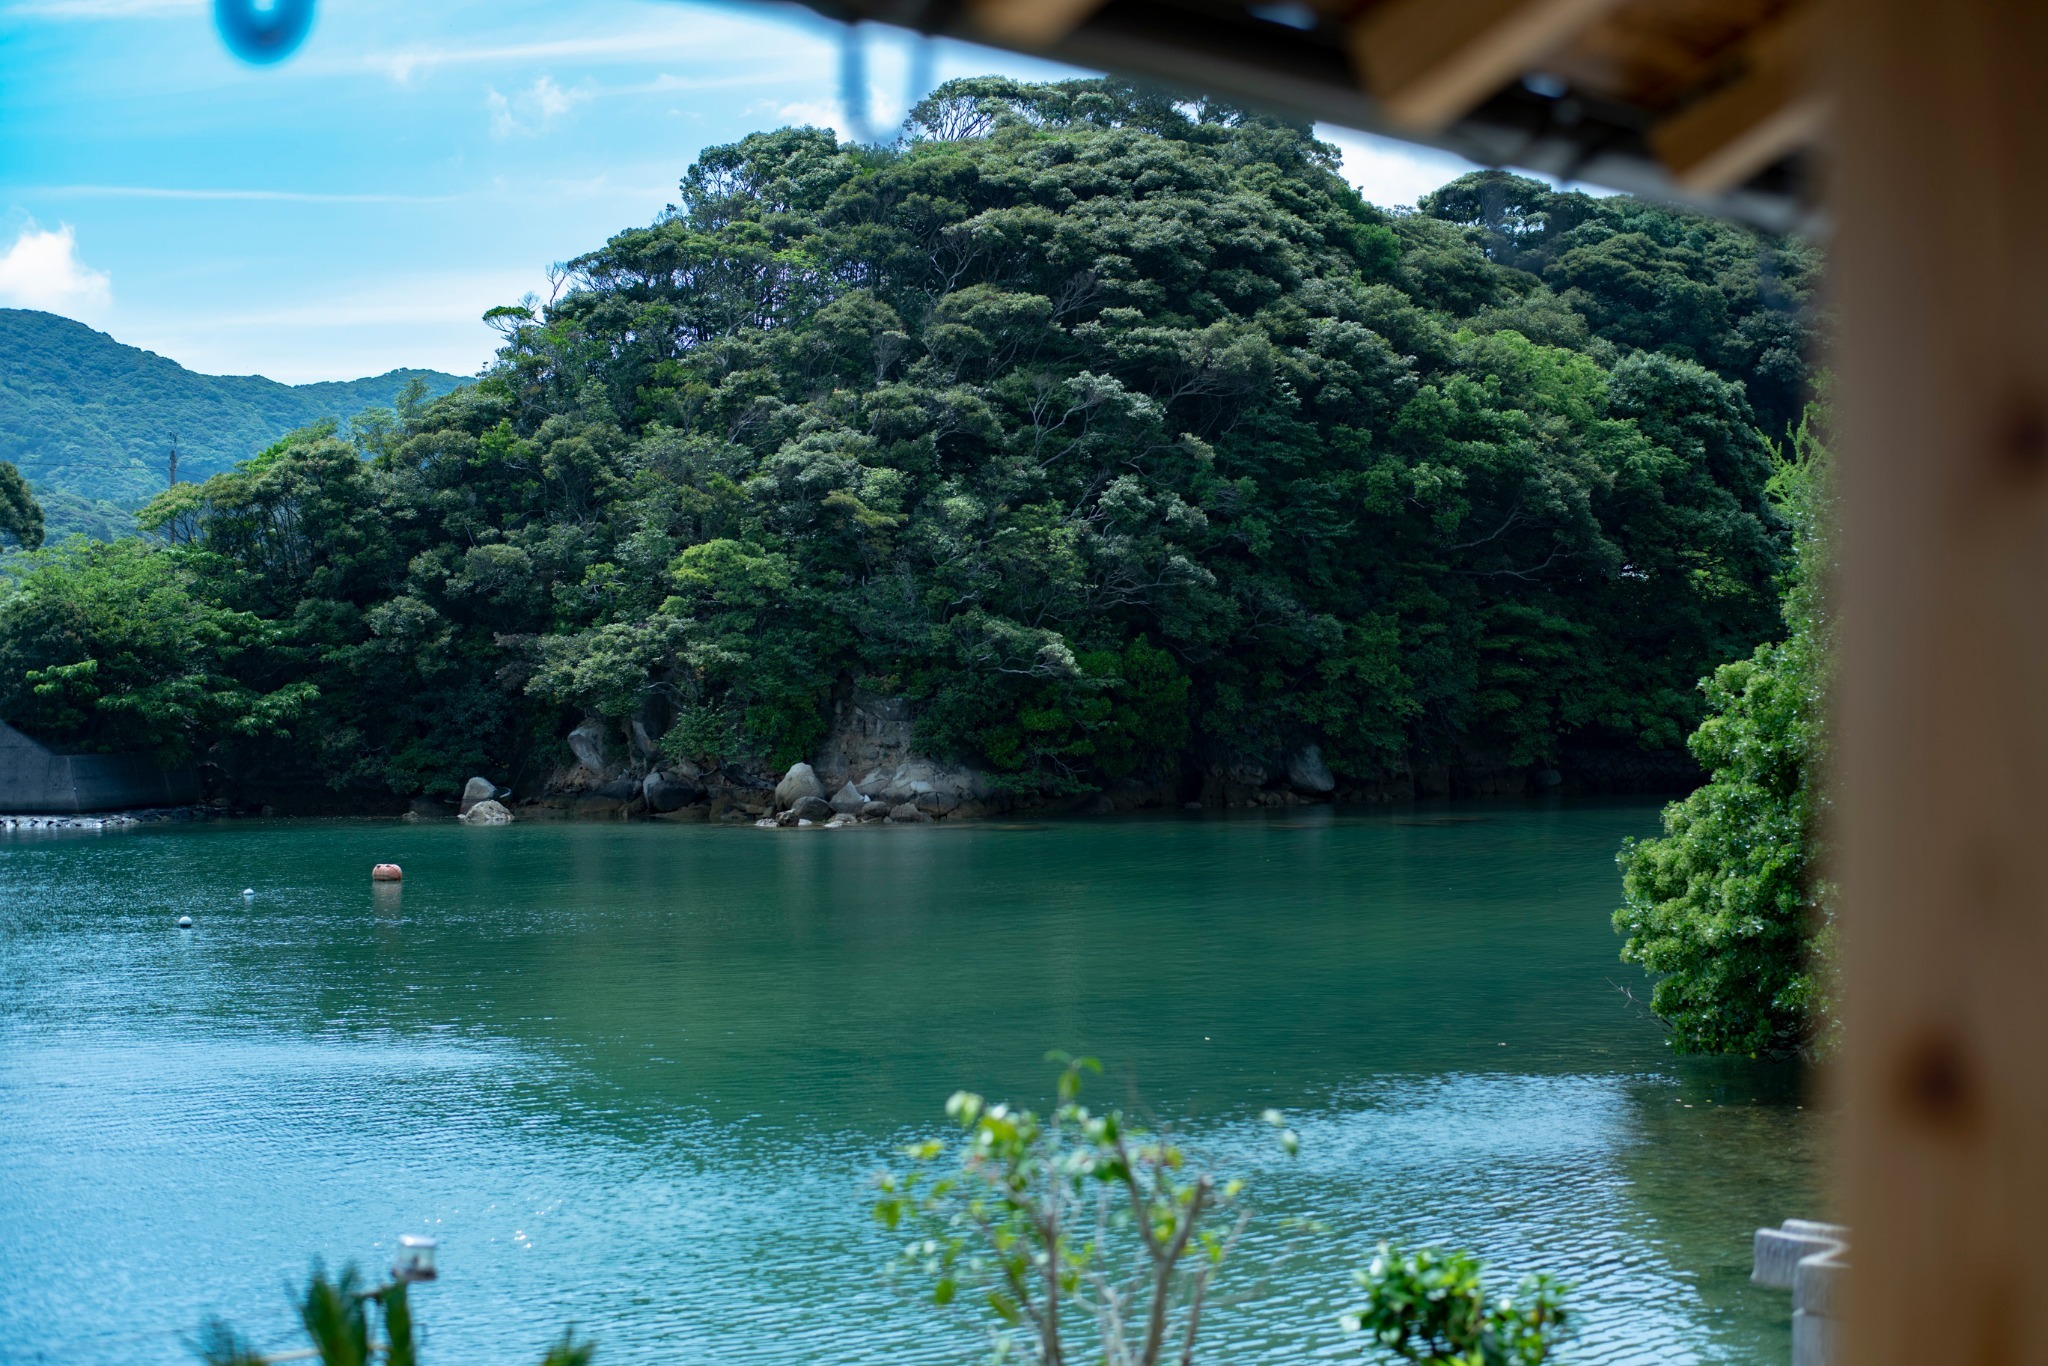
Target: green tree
<point>118,647</point>
<point>21,517</point>
<point>1117,433</point>
<point>1730,907</point>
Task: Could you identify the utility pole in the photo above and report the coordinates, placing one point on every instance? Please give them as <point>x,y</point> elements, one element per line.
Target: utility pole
<point>174,462</point>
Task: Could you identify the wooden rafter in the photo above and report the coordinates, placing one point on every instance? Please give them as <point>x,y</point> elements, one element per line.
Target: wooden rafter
<point>1030,23</point>
<point>1429,61</point>
<point>1774,107</point>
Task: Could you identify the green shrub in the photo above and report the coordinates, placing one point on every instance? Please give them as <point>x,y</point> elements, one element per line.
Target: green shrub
<point>1431,1306</point>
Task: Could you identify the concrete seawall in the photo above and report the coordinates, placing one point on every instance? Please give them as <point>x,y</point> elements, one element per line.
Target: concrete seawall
<point>37,780</point>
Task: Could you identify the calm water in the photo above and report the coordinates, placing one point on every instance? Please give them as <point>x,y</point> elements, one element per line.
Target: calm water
<point>635,1076</point>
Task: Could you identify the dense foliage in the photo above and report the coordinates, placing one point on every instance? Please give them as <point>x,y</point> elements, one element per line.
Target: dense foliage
<point>21,517</point>
<point>1121,435</point>
<point>1728,905</point>
<point>91,422</point>
<point>1431,1306</point>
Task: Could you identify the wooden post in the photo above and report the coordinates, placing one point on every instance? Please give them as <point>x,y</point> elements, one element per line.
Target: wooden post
<point>1940,276</point>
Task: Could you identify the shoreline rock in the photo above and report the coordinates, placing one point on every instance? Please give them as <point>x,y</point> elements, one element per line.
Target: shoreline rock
<point>106,820</point>
<point>488,812</point>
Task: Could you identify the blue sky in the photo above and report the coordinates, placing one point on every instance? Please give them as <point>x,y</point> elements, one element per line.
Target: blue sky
<point>358,206</point>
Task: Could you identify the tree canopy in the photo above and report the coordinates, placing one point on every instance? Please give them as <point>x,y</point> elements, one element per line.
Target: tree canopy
<point>1118,433</point>
<point>1729,907</point>
<point>21,516</point>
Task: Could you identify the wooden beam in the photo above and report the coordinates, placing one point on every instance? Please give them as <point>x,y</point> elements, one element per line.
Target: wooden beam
<point>1429,61</point>
<point>1030,23</point>
<point>1773,107</point>
<point>1939,271</point>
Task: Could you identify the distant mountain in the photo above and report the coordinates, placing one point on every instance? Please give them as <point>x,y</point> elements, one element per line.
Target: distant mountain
<point>90,421</point>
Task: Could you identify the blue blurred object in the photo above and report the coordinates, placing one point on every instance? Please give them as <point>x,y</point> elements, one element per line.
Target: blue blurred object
<point>259,32</point>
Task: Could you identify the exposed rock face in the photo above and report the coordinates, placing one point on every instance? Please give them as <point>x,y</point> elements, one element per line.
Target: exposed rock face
<point>812,809</point>
<point>800,782</point>
<point>637,736</point>
<point>669,791</point>
<point>479,790</point>
<point>586,742</point>
<point>1246,773</point>
<point>486,812</point>
<point>748,802</point>
<point>906,813</point>
<point>617,790</point>
<point>1307,772</point>
<point>848,801</point>
<point>874,811</point>
<point>867,732</point>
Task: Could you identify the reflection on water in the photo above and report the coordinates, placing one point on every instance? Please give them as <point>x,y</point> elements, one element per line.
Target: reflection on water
<point>634,1075</point>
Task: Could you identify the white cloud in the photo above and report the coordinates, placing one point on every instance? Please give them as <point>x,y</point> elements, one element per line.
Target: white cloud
<point>1388,172</point>
<point>815,114</point>
<point>42,270</point>
<point>531,111</point>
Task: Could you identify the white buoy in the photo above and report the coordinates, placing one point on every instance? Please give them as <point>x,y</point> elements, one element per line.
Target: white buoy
<point>248,893</point>
<point>184,922</point>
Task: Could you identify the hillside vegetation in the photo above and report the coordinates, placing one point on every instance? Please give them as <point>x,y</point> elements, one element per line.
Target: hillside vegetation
<point>1120,435</point>
<point>90,421</point>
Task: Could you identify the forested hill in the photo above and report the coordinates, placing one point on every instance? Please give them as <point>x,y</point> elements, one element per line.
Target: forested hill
<point>1120,436</point>
<point>83,415</point>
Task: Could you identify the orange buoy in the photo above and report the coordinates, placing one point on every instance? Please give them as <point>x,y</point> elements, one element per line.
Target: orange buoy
<point>386,872</point>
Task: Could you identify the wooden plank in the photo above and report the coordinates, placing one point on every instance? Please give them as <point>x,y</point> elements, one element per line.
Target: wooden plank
<point>1939,269</point>
<point>1428,61</point>
<point>1774,107</point>
<point>1030,23</point>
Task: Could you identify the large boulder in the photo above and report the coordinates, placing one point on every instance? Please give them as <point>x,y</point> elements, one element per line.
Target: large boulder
<point>479,790</point>
<point>906,813</point>
<point>874,811</point>
<point>669,791</point>
<point>800,782</point>
<point>487,812</point>
<point>848,801</point>
<point>586,742</point>
<point>812,809</point>
<point>1306,771</point>
<point>617,790</point>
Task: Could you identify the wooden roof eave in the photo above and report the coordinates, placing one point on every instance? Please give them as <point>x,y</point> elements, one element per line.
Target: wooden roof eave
<point>1219,48</point>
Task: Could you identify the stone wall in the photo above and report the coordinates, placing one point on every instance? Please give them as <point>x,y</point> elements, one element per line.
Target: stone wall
<point>37,780</point>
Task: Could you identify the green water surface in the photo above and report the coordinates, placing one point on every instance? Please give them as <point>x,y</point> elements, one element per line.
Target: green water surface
<point>635,1076</point>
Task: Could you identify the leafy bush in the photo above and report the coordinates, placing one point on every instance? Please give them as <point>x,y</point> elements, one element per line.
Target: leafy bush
<point>1430,1306</point>
<point>1729,906</point>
